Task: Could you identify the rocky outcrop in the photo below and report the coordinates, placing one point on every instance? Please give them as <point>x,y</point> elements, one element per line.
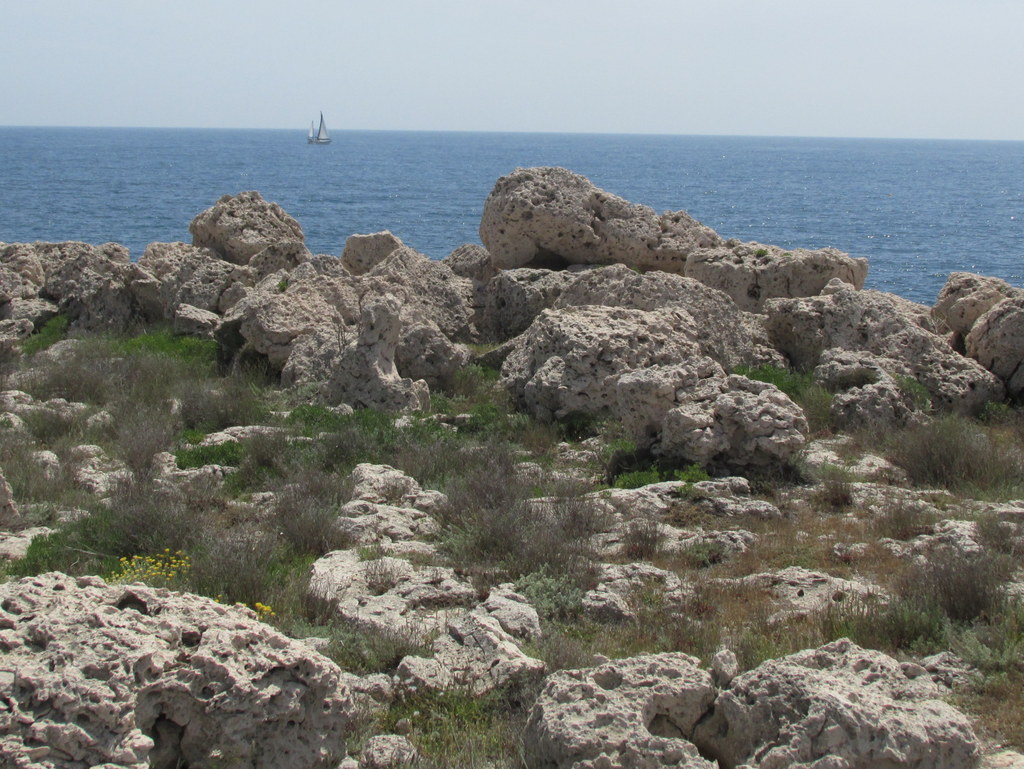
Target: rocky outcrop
<point>133,676</point>
<point>836,706</point>
<point>424,352</point>
<point>692,413</point>
<point>870,321</point>
<point>364,252</point>
<point>94,286</point>
<point>9,515</point>
<point>727,334</point>
<point>569,360</point>
<point>965,297</point>
<point>195,276</point>
<point>551,217</point>
<point>513,299</point>
<point>632,713</point>
<point>238,227</point>
<point>366,376</point>
<point>866,395</point>
<point>752,273</point>
<point>996,341</point>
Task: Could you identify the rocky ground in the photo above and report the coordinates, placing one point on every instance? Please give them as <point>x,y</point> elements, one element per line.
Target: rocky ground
<point>609,491</point>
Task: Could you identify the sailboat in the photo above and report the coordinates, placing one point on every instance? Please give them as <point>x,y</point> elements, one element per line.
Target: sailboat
<point>321,136</point>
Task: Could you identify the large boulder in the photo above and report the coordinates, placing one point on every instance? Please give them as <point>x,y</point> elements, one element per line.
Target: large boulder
<point>866,396</point>
<point>691,412</point>
<point>996,341</point>
<point>366,376</point>
<point>94,286</point>
<point>514,298</point>
<point>132,676</point>
<point>886,326</point>
<point>836,706</point>
<point>752,273</point>
<point>636,713</point>
<point>285,306</point>
<point>551,217</point>
<point>429,292</point>
<point>364,252</point>
<point>569,360</point>
<point>965,297</point>
<point>239,227</point>
<point>192,275</point>
<point>727,334</point>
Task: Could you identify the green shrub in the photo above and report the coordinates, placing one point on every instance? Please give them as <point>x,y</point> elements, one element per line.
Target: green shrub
<point>201,353</point>
<point>904,624</point>
<point>637,478</point>
<point>958,454</point>
<point>51,332</point>
<point>228,453</point>
<point>554,596</point>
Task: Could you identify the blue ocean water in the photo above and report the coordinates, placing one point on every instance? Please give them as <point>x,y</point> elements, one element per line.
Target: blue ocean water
<point>917,210</point>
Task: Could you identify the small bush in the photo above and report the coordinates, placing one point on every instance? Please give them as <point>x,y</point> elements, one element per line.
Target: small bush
<point>903,520</point>
<point>642,540</point>
<point>637,478</point>
<point>963,587</point>
<point>305,511</point>
<point>953,452</point>
<point>834,491</point>
<point>48,335</point>
<point>555,597</point>
<point>903,624</point>
<point>228,453</point>
<point>363,651</point>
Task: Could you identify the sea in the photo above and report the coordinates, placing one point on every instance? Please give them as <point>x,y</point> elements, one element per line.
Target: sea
<point>917,209</point>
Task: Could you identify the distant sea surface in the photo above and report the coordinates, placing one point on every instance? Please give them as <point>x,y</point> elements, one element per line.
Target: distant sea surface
<point>917,210</point>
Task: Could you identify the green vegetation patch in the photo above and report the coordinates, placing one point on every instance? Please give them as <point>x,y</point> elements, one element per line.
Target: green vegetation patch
<point>48,335</point>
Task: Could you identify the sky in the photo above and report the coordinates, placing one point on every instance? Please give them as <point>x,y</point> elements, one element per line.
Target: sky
<point>864,68</point>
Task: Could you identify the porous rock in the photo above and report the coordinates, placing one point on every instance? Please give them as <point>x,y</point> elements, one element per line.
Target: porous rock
<point>866,396</point>
<point>569,360</point>
<point>965,297</point>
<point>191,275</point>
<point>193,321</point>
<point>635,713</point>
<point>9,515</point>
<point>363,252</point>
<point>514,298</point>
<point>996,341</point>
<point>691,412</point>
<point>391,595</point>
<point>752,273</point>
<point>133,676</point>
<point>388,751</point>
<point>798,591</point>
<point>239,227</point>
<point>552,217</point>
<point>836,706</point>
<point>881,324</point>
<point>424,352</point>
<point>366,375</point>
<point>727,334</point>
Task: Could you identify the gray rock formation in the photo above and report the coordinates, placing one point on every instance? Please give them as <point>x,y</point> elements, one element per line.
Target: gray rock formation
<point>881,324</point>
<point>836,706</point>
<point>366,376</point>
<point>239,227</point>
<point>364,252</point>
<point>514,298</point>
<point>752,273</point>
<point>635,713</point>
<point>867,396</point>
<point>551,217</point>
<point>965,297</point>
<point>996,341</point>
<point>132,676</point>
<point>190,275</point>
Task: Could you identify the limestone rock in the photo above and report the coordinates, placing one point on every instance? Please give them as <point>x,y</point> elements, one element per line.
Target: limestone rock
<point>836,706</point>
<point>363,252</point>
<point>191,275</point>
<point>370,523</point>
<point>36,311</point>
<point>318,295</point>
<point>473,262</point>
<point>473,653</point>
<point>635,713</point>
<point>513,612</point>
<point>383,484</point>
<point>996,341</point>
<point>9,515</point>
<point>136,676</point>
<point>387,751</point>
<point>965,297</point>
<point>870,321</point>
<point>569,360</point>
<point>691,413</point>
<point>798,591</point>
<point>866,396</point>
<point>239,227</point>
<point>14,545</point>
<point>427,290</point>
<point>391,595</point>
<point>192,321</point>
<point>366,375</point>
<point>514,298</point>
<point>728,335</point>
<point>621,586</point>
<point>281,255</point>
<point>551,217</point>
<point>752,273</point>
<point>425,353</point>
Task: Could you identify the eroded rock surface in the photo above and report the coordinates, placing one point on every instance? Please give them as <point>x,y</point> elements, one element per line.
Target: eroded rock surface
<point>131,676</point>
<point>239,226</point>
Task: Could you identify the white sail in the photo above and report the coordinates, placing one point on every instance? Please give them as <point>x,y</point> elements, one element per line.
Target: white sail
<point>322,135</point>
<point>310,130</point>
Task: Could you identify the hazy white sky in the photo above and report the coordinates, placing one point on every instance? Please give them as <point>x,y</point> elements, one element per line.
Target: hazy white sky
<point>885,68</point>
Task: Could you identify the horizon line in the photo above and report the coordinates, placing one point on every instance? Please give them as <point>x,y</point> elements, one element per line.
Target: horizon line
<point>523,132</point>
